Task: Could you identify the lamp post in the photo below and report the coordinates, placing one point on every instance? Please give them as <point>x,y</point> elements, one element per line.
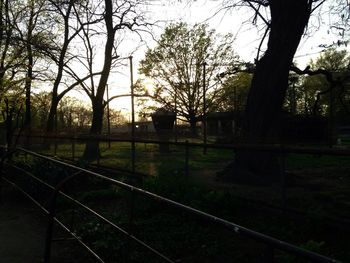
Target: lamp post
<point>204,111</point>
<point>175,102</point>
<point>132,117</point>
<point>108,119</point>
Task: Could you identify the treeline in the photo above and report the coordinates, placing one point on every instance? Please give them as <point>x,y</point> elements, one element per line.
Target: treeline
<point>323,86</point>
<point>73,115</point>
<point>61,46</point>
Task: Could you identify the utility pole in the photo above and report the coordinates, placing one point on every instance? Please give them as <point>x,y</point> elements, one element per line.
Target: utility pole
<point>204,111</point>
<point>108,119</point>
<point>175,102</point>
<point>132,117</point>
<point>235,99</point>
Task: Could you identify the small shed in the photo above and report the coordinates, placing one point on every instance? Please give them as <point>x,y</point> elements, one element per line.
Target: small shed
<point>163,122</point>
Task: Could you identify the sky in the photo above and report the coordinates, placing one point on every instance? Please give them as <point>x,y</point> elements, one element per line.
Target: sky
<point>237,22</point>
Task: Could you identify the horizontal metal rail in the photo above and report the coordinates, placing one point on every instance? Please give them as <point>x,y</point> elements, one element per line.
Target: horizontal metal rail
<point>345,223</point>
<point>272,242</point>
<point>91,251</point>
<point>58,191</point>
<point>278,148</point>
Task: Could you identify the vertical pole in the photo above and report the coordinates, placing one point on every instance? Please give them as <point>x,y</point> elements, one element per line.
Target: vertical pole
<point>129,244</point>
<point>108,119</point>
<point>187,157</point>
<point>175,102</point>
<point>204,111</point>
<point>56,130</point>
<point>132,117</point>
<point>49,229</point>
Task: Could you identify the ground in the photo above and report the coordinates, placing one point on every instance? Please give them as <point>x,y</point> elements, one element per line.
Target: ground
<point>22,232</point>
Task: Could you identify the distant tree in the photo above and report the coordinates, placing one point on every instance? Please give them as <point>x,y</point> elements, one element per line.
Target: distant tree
<point>11,110</point>
<point>40,105</point>
<point>318,88</point>
<point>17,60</point>
<point>293,94</point>
<point>232,95</point>
<point>176,67</point>
<point>116,118</point>
<point>32,33</point>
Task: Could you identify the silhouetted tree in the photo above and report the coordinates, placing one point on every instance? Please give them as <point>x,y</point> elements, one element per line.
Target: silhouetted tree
<point>176,67</point>
<point>118,16</point>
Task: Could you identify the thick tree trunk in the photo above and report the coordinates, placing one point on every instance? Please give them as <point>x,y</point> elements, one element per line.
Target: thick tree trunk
<point>52,114</point>
<point>29,77</point>
<point>193,126</point>
<point>269,84</point>
<point>28,114</point>
<point>92,150</point>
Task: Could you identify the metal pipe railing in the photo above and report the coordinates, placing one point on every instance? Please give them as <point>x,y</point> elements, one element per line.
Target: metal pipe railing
<point>272,243</point>
<point>51,211</point>
<point>278,148</point>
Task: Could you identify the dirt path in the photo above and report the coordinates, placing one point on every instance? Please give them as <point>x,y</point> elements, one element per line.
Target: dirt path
<point>22,229</point>
<point>22,233</point>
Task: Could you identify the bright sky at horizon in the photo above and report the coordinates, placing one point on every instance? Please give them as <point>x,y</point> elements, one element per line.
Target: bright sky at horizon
<point>236,22</point>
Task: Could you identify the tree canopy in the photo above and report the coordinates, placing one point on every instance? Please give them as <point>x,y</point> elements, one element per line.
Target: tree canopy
<point>178,63</point>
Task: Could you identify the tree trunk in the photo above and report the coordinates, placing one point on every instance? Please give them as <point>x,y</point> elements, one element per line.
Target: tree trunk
<point>52,114</point>
<point>269,84</point>
<point>193,126</point>
<point>29,77</point>
<point>92,150</point>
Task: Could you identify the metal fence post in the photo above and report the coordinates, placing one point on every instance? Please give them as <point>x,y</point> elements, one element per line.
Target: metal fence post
<point>49,229</point>
<point>51,216</point>
<point>187,157</point>
<point>129,244</point>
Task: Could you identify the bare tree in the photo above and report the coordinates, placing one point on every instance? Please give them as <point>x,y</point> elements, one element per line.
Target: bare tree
<point>67,14</point>
<point>119,17</point>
